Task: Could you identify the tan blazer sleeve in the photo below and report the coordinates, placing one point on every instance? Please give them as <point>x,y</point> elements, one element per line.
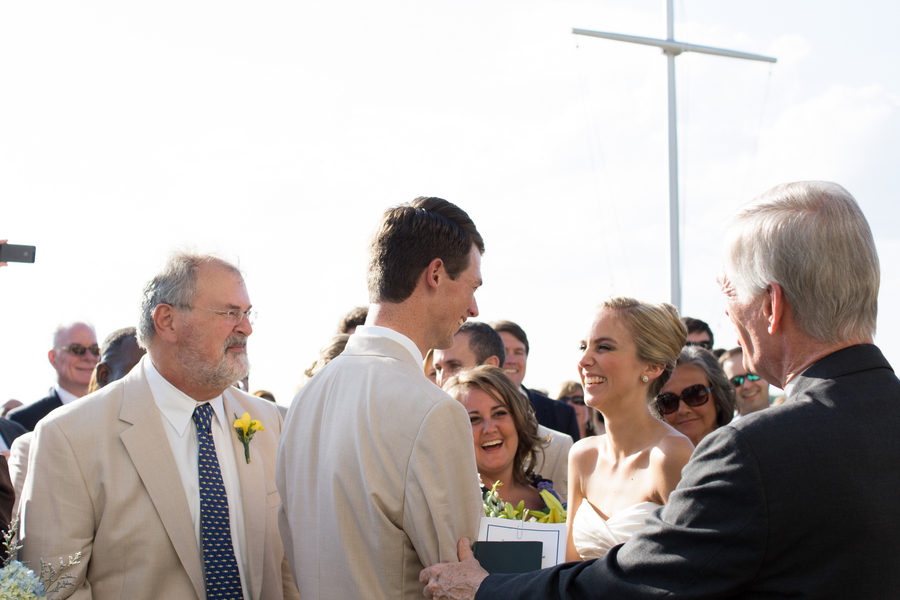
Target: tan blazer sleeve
<point>443,501</point>
<point>56,509</point>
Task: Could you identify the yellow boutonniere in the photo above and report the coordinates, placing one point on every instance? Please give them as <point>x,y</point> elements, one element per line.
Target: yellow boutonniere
<point>245,428</point>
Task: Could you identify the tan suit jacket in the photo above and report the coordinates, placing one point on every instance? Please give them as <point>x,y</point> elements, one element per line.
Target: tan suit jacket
<point>102,480</point>
<point>554,463</point>
<point>377,473</point>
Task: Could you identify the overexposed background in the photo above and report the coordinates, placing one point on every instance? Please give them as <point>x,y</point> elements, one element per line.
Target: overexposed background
<point>277,133</point>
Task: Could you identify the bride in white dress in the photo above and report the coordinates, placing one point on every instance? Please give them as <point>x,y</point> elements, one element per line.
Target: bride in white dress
<point>616,480</point>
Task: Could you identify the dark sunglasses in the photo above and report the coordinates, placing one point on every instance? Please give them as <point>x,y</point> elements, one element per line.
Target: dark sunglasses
<point>738,380</point>
<point>577,400</point>
<point>78,349</point>
<point>696,395</point>
<point>704,344</point>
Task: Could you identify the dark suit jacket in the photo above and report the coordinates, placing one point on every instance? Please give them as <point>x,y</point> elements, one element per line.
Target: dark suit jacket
<point>10,430</point>
<point>28,416</point>
<point>796,501</point>
<point>554,414</point>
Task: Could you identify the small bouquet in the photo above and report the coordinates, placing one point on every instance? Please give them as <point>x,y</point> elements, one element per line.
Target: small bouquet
<point>18,582</point>
<point>494,506</point>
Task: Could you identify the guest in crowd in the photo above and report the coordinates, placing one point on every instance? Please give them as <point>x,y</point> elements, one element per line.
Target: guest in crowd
<point>265,395</point>
<point>752,391</point>
<point>327,353</point>
<point>132,475</point>
<point>9,432</point>
<point>790,502</point>
<point>7,501</point>
<point>119,354</point>
<point>376,468</point>
<point>554,415</point>
<point>590,421</point>
<point>478,344</point>
<point>617,479</point>
<point>505,431</point>
<point>8,406</point>
<point>74,355</point>
<point>428,366</point>
<point>698,398</point>
<point>698,333</point>
<point>353,319</point>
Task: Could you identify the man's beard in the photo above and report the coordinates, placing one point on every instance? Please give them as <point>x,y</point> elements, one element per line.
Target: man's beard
<point>218,375</point>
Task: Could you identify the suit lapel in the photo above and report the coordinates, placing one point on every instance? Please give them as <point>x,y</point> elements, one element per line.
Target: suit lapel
<point>253,497</point>
<point>147,445</point>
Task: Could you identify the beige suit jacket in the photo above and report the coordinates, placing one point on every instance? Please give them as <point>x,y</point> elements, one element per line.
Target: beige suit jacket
<point>102,480</point>
<point>554,463</point>
<point>377,474</point>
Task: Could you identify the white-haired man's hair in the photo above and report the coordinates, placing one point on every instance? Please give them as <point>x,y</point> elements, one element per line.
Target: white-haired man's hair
<point>812,239</point>
<point>176,284</point>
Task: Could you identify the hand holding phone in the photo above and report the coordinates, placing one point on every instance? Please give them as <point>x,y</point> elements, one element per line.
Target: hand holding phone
<point>15,253</point>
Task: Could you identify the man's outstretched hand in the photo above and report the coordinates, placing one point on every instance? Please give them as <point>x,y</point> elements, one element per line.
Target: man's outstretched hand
<point>454,581</point>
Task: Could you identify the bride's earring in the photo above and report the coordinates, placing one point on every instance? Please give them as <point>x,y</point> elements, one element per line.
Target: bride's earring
<point>645,379</point>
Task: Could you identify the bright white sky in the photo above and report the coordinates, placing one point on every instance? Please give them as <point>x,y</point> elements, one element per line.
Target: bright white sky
<point>278,132</point>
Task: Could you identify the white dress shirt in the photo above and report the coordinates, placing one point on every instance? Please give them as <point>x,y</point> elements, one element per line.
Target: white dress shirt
<point>393,335</point>
<point>177,409</point>
<point>65,396</point>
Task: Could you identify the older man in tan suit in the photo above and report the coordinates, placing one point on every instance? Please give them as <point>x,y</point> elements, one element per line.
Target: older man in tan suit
<point>148,477</point>
<point>376,466</point>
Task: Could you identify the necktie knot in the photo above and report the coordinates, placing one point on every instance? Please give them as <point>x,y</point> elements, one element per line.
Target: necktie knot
<point>203,416</point>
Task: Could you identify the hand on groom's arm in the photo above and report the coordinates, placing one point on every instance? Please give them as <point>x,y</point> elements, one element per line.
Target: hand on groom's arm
<point>454,581</point>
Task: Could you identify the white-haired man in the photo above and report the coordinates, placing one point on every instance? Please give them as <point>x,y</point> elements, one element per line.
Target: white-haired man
<point>148,478</point>
<point>793,501</point>
<point>74,355</point>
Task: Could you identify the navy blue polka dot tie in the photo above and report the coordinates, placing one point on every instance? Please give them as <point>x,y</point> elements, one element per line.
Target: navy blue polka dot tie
<point>223,581</point>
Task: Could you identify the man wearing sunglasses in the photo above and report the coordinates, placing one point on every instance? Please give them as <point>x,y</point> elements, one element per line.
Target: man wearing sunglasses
<point>796,501</point>
<point>751,390</point>
<point>699,333</point>
<point>74,354</point>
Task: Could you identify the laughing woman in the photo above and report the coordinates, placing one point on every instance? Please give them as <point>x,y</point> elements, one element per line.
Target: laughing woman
<point>505,431</point>
<point>617,479</point>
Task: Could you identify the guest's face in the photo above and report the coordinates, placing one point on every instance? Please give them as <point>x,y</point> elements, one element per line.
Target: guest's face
<point>609,367</point>
<point>451,361</point>
<point>700,337</point>
<point>696,422</point>
<point>212,350</point>
<point>516,357</point>
<point>72,369</point>
<point>494,430</point>
<point>751,396</point>
<point>458,301</point>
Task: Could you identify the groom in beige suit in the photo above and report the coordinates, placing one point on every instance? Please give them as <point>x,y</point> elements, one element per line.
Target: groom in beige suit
<point>376,466</point>
<point>115,475</point>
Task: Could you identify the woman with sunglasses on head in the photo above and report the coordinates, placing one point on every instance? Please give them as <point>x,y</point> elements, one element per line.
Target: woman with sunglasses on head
<point>617,479</point>
<point>698,398</point>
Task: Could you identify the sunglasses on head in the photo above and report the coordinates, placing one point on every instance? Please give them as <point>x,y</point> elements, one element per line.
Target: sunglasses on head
<point>79,350</point>
<point>696,395</point>
<point>704,344</point>
<point>738,380</point>
<point>578,400</point>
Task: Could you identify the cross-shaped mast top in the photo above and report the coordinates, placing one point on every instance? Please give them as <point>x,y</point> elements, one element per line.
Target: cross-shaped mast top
<point>671,49</point>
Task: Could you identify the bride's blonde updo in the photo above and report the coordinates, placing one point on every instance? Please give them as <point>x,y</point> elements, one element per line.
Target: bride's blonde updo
<point>657,332</point>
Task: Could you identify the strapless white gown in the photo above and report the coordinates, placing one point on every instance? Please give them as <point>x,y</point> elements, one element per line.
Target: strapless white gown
<point>593,536</point>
